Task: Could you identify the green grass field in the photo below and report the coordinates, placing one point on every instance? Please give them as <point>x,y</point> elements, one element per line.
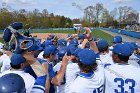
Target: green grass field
<point>95,33</point>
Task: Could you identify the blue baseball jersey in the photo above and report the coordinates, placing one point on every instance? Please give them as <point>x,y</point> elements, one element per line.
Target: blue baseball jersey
<point>39,86</point>
<point>51,74</point>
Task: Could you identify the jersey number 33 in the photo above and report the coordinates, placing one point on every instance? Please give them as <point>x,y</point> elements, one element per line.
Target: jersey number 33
<point>128,83</point>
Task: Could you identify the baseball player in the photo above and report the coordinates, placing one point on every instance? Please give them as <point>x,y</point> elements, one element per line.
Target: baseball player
<point>34,50</point>
<point>46,44</point>
<point>91,77</point>
<point>122,77</point>
<point>103,57</point>
<point>18,63</point>
<point>55,79</point>
<point>69,39</point>
<point>81,38</point>
<point>116,40</point>
<point>62,43</point>
<point>55,40</point>
<point>71,73</point>
<point>134,59</point>
<point>41,83</point>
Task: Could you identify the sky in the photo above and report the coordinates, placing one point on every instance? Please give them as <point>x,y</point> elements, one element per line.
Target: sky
<point>68,8</point>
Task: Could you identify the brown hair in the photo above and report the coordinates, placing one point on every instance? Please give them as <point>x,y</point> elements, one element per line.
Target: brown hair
<point>87,68</point>
<point>103,49</point>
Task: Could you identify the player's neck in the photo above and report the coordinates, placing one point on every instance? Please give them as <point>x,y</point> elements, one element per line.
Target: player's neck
<point>122,62</point>
<point>103,53</point>
<point>12,69</point>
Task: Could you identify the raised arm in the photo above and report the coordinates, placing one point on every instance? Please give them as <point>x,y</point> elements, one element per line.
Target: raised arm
<point>58,78</point>
<point>89,37</point>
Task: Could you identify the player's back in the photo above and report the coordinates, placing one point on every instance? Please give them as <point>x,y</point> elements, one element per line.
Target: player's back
<point>122,78</point>
<point>92,82</point>
<point>72,72</point>
<point>104,59</point>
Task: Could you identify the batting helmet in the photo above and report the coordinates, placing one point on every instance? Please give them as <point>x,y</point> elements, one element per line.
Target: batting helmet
<point>12,83</point>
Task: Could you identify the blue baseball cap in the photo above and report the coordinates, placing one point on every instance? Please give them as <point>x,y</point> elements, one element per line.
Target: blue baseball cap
<point>135,45</point>
<point>122,49</point>
<point>17,59</point>
<point>73,45</point>
<point>87,56</point>
<point>74,41</point>
<point>48,42</point>
<point>117,39</point>
<point>50,50</point>
<point>62,42</point>
<point>38,41</point>
<point>62,51</point>
<point>77,51</point>
<point>81,36</point>
<point>72,50</point>
<point>35,47</point>
<point>102,44</point>
<point>130,46</point>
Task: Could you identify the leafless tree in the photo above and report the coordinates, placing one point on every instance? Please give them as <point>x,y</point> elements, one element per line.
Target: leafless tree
<point>114,13</point>
<point>98,10</point>
<point>89,13</point>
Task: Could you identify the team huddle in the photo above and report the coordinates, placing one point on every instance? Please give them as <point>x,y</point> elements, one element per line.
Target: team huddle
<point>78,63</point>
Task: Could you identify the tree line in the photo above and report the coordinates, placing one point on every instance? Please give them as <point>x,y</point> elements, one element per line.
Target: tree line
<point>34,19</point>
<point>95,16</point>
<point>122,16</point>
